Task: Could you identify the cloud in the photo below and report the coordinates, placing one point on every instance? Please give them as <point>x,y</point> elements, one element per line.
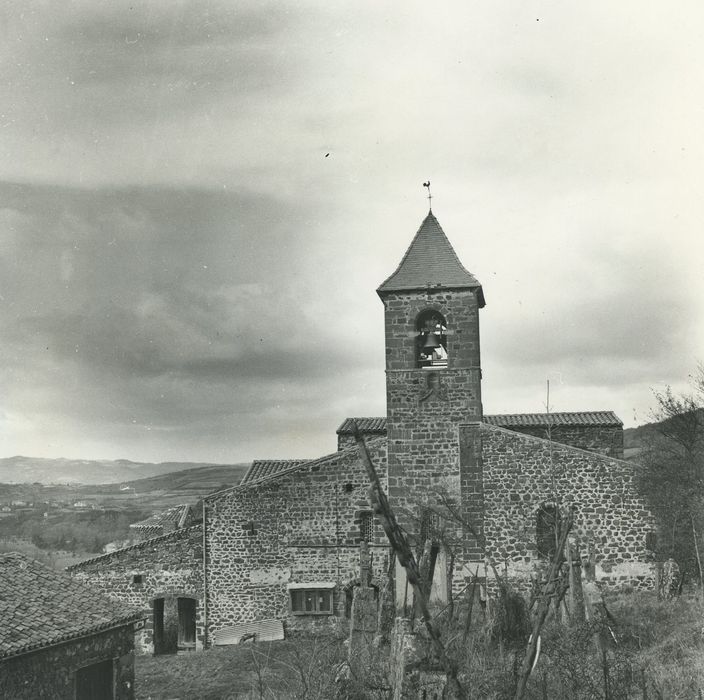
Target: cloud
<point>184,271</point>
<point>170,305</point>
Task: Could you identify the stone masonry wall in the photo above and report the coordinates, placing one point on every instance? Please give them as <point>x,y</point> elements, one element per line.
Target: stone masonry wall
<point>50,672</point>
<point>170,566</point>
<point>299,526</point>
<point>609,513</point>
<point>425,406</point>
<point>604,439</point>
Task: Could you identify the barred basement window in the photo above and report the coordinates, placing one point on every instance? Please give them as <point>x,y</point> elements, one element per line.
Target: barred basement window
<point>311,601</point>
<point>546,525</point>
<point>366,527</point>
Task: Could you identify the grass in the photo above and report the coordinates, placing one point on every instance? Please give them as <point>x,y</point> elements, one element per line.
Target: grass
<point>659,655</point>
<point>289,669</point>
<point>667,642</point>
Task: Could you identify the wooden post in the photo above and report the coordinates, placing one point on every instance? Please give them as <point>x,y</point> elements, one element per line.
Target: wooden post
<point>400,545</point>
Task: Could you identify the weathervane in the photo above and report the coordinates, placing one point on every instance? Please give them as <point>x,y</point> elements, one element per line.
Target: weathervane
<point>430,196</point>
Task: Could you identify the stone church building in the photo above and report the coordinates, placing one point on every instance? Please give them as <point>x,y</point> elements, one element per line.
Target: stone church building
<point>285,543</point>
<point>283,547</point>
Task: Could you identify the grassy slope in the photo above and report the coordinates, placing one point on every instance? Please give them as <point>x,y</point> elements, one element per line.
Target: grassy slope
<point>304,668</point>
<point>660,644</point>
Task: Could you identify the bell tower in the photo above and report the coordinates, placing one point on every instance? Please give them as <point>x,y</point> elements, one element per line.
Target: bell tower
<point>433,372</point>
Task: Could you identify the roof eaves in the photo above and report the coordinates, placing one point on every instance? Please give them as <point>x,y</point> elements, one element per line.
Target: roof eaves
<point>470,283</point>
<point>131,618</point>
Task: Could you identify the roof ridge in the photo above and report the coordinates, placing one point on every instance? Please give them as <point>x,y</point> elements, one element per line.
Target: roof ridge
<point>290,470</point>
<point>136,545</point>
<point>280,459</point>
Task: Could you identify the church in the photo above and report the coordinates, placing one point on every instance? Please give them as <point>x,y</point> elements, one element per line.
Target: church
<point>281,550</point>
<point>285,543</point>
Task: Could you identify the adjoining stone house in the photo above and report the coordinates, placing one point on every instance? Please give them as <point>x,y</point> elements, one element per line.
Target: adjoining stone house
<point>174,518</point>
<point>285,543</point>
<point>162,577</point>
<point>60,639</point>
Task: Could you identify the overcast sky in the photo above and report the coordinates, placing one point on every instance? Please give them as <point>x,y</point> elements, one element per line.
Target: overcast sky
<point>186,274</point>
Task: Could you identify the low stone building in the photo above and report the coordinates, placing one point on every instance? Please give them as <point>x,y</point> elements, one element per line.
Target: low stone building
<point>60,639</point>
<point>162,577</point>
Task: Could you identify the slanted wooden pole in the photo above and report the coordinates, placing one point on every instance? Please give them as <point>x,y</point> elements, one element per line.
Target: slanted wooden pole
<point>404,553</point>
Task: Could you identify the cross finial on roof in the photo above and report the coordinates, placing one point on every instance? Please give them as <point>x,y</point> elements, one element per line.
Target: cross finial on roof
<point>430,196</point>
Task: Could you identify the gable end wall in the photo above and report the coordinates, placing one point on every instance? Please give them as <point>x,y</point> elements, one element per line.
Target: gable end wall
<point>518,477</point>
<point>170,566</point>
<point>302,526</point>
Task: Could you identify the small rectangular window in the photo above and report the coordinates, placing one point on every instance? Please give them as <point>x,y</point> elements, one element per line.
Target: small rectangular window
<point>138,578</point>
<point>311,601</point>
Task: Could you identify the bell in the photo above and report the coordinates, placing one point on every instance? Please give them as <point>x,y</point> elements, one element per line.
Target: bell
<point>432,341</point>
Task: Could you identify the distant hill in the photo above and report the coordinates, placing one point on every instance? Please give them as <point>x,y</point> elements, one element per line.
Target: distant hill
<point>200,480</point>
<point>27,470</point>
<point>635,440</point>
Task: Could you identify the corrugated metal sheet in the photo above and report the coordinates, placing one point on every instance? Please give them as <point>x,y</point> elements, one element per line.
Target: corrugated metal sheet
<point>263,631</point>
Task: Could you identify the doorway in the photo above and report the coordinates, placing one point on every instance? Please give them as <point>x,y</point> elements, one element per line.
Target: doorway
<point>95,682</point>
<point>174,624</point>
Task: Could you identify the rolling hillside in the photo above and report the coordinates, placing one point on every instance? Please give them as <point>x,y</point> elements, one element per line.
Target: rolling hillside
<point>28,470</point>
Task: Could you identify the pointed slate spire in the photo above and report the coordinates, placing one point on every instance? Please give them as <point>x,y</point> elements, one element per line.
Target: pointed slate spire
<point>430,261</point>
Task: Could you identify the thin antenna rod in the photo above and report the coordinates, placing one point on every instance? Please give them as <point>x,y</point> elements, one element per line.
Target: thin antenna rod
<point>430,196</point>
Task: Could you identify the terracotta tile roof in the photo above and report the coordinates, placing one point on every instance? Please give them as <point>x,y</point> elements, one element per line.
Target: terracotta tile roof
<point>175,515</point>
<point>378,425</point>
<point>541,419</point>
<point>366,425</point>
<point>266,467</point>
<point>291,466</point>
<point>40,607</point>
<point>430,260</point>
